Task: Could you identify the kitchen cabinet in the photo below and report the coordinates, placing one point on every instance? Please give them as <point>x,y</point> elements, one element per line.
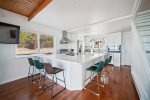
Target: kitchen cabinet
<point>116,58</point>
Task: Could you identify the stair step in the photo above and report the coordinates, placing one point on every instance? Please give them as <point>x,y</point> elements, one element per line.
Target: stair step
<point>148,51</point>
<point>144,33</point>
<point>148,54</point>
<point>145,39</point>
<point>143,24</point>
<point>145,28</point>
<point>146,43</point>
<point>142,16</point>
<point>144,20</point>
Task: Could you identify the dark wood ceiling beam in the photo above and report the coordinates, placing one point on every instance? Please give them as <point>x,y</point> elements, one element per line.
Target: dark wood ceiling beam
<point>39,8</point>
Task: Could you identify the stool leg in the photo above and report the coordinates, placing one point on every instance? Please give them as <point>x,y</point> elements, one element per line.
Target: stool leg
<point>29,71</point>
<point>97,84</point>
<point>56,78</point>
<point>64,79</point>
<point>44,80</point>
<point>52,84</point>
<point>91,77</point>
<point>40,80</point>
<point>33,73</point>
<point>85,78</point>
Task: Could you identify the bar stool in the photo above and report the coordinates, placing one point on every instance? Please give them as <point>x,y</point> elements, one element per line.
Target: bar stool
<point>49,70</point>
<point>107,62</point>
<point>40,67</point>
<point>96,70</point>
<point>31,65</point>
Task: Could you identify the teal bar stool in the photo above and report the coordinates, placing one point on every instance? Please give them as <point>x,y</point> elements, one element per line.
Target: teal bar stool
<point>94,70</point>
<point>40,67</point>
<point>107,62</point>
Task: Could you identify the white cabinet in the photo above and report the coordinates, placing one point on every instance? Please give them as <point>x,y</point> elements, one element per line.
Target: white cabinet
<point>116,59</point>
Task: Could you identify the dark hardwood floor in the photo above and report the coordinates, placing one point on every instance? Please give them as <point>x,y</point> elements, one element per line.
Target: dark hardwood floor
<point>119,86</point>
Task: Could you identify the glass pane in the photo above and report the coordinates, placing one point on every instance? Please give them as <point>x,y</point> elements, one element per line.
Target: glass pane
<point>46,44</point>
<point>27,43</point>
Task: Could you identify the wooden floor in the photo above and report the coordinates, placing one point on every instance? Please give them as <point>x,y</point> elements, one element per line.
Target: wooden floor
<point>119,86</point>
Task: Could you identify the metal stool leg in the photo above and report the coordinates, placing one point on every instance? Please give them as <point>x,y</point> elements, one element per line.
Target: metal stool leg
<point>52,84</point>
<point>40,80</point>
<point>33,73</point>
<point>85,78</point>
<point>97,84</point>
<point>64,80</point>
<point>29,71</point>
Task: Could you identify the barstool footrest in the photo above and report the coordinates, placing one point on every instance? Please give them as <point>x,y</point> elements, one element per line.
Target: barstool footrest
<point>92,91</point>
<point>58,92</point>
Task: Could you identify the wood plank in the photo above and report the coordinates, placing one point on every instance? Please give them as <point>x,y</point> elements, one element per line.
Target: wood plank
<point>22,7</point>
<point>39,8</point>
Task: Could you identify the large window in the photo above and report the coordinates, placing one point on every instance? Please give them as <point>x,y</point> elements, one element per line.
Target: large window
<point>31,43</point>
<point>46,44</point>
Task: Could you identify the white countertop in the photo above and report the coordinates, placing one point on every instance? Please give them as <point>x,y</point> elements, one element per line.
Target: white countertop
<point>83,58</point>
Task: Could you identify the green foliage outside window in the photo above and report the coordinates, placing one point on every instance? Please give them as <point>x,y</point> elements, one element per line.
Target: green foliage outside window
<point>28,40</point>
<point>46,41</point>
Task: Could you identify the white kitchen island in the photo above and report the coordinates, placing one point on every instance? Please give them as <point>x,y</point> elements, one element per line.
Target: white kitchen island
<point>74,67</point>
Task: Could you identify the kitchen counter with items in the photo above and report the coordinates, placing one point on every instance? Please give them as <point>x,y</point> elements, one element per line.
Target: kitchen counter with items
<point>81,59</point>
<point>74,66</point>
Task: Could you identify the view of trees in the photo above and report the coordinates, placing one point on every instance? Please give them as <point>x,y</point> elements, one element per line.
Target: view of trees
<point>28,44</point>
<point>46,41</point>
<point>27,40</point>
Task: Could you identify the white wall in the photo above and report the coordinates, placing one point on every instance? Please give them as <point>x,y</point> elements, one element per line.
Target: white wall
<point>126,48</point>
<point>12,68</point>
<point>140,69</point>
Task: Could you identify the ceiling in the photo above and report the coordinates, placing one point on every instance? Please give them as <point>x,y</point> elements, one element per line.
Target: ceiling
<point>121,25</point>
<point>73,14</point>
<point>28,8</point>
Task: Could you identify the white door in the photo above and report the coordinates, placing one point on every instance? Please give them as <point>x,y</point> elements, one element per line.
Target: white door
<point>126,48</point>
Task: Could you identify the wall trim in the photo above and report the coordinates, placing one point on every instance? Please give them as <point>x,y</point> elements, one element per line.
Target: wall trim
<point>138,86</point>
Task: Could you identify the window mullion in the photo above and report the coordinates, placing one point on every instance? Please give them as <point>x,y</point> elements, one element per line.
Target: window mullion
<point>38,43</point>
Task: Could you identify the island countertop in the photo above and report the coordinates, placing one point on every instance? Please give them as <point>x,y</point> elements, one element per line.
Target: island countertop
<point>76,58</point>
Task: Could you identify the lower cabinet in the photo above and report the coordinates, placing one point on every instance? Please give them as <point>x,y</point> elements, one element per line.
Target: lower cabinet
<point>116,59</point>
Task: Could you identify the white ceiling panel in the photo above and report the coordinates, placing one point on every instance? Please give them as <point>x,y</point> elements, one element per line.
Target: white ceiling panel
<point>72,14</point>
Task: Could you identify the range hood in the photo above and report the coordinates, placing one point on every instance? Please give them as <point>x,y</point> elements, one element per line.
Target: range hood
<point>64,38</point>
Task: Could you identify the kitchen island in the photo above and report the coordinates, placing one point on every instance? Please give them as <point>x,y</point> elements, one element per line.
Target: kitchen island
<point>74,67</point>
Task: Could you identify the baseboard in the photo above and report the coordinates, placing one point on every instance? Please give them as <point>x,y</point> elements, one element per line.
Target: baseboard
<point>12,79</point>
<point>138,87</point>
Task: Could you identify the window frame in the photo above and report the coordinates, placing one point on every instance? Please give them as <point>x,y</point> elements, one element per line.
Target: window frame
<point>38,43</point>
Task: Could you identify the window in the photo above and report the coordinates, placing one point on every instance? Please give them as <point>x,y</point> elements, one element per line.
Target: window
<point>46,44</point>
<point>29,43</point>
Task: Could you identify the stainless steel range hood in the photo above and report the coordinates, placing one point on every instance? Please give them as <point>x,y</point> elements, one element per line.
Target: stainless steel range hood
<point>64,38</point>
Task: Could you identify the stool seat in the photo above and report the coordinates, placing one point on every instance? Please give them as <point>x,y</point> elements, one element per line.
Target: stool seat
<point>57,70</point>
<point>94,69</point>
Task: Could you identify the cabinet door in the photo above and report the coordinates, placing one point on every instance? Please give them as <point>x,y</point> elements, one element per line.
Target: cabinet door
<point>115,59</point>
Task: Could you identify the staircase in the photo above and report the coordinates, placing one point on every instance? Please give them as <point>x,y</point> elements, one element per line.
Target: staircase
<point>143,26</point>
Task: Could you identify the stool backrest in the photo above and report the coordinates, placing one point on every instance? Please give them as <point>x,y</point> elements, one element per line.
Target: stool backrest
<point>100,66</point>
<point>48,68</point>
<point>110,58</point>
<point>38,65</point>
<point>31,62</point>
<point>106,61</point>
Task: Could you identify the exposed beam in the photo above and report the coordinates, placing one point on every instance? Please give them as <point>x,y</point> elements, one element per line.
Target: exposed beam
<point>39,8</point>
